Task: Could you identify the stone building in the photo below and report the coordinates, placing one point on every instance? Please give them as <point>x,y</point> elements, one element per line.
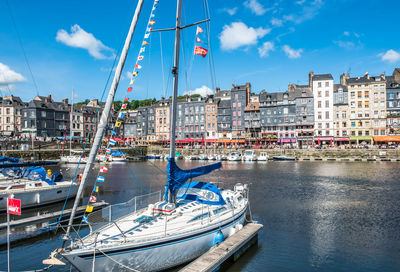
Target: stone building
<point>240,95</point>
<point>211,108</point>
<point>393,104</point>
<point>10,115</point>
<point>224,117</point>
<point>77,122</point>
<point>304,103</point>
<point>367,101</point>
<point>252,122</point>
<point>322,87</point>
<point>191,121</point>
<point>162,118</point>
<point>130,129</point>
<point>341,114</point>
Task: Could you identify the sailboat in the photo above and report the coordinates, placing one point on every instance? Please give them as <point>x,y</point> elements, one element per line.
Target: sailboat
<point>72,159</point>
<point>165,234</point>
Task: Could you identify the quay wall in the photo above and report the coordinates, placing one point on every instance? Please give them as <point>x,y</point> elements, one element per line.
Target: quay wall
<point>300,154</point>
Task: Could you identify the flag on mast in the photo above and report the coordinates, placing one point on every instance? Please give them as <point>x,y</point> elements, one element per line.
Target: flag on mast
<point>198,50</point>
<point>199,30</point>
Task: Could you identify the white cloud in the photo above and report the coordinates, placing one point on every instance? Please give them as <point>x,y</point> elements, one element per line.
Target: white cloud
<point>300,2</point>
<point>292,53</point>
<point>230,11</point>
<point>307,12</point>
<point>346,33</point>
<point>276,22</point>
<point>81,39</point>
<point>265,49</point>
<point>8,76</point>
<point>390,56</point>
<point>345,44</point>
<point>255,7</point>
<point>239,34</point>
<point>203,91</point>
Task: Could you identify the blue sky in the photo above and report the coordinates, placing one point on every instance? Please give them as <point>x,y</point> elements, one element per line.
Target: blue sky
<point>71,44</point>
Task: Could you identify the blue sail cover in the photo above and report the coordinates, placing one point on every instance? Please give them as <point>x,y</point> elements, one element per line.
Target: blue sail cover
<point>8,159</point>
<point>202,192</point>
<point>177,177</point>
<point>39,173</point>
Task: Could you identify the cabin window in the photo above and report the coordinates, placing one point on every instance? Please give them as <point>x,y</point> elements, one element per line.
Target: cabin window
<point>201,216</point>
<point>219,210</point>
<point>18,186</point>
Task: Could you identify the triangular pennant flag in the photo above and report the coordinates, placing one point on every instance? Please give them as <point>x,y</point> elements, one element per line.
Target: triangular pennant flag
<point>134,74</point>
<point>129,90</point>
<point>123,107</point>
<point>92,199</point>
<point>108,150</point>
<point>142,49</point>
<point>126,99</point>
<point>118,124</point>
<point>89,208</point>
<point>96,189</point>
<point>103,169</point>
<point>198,40</point>
<point>145,43</point>
<point>132,81</point>
<point>140,58</point>
<point>112,142</point>
<point>146,36</point>
<point>199,30</point>
<point>121,115</point>
<point>149,29</point>
<point>137,66</point>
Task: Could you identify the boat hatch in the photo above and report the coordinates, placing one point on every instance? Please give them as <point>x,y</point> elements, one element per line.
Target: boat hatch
<point>144,219</point>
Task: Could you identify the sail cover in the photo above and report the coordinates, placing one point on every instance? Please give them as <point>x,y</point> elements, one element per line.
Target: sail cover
<point>202,192</point>
<point>177,177</point>
<point>8,159</point>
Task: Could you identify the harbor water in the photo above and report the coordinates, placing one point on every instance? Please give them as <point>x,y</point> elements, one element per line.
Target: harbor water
<point>317,216</point>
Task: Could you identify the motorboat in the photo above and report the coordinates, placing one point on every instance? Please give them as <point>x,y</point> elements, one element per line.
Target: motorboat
<point>249,155</point>
<point>283,158</point>
<point>263,156</point>
<point>235,156</point>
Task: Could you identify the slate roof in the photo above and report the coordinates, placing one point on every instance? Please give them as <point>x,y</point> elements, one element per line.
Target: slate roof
<point>322,77</point>
<point>364,79</point>
<point>336,87</point>
<point>391,83</point>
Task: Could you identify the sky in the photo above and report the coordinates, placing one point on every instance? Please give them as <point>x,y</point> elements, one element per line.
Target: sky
<point>54,47</point>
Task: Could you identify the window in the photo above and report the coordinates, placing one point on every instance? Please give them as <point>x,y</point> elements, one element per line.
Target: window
<point>343,114</point>
<point>319,104</point>
<point>327,93</point>
<point>327,115</point>
<point>353,124</point>
<point>319,84</point>
<point>285,111</point>
<point>366,94</point>
<point>239,113</point>
<point>319,93</point>
<point>8,111</point>
<point>234,123</point>
<point>359,94</point>
<point>234,114</point>
<point>239,123</point>
<point>327,104</point>
<point>236,96</point>
<point>327,84</point>
<point>239,104</point>
<point>367,104</point>
<point>319,115</point>
<point>353,94</point>
<point>359,104</point>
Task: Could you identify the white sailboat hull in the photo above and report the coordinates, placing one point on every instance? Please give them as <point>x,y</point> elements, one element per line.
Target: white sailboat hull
<point>158,255</point>
<point>39,196</point>
<point>73,159</point>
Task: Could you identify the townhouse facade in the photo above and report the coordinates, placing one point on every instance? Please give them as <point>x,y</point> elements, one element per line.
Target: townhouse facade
<point>341,113</point>
<point>10,115</point>
<point>211,116</point>
<point>191,119</point>
<point>162,117</point>
<point>393,105</point>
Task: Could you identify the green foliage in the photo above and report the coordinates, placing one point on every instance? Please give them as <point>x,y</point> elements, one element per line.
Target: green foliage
<point>82,103</point>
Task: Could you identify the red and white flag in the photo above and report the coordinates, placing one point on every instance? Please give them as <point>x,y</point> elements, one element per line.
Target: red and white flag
<point>124,106</point>
<point>199,30</point>
<point>92,199</point>
<point>14,206</point>
<point>103,169</point>
<point>198,50</point>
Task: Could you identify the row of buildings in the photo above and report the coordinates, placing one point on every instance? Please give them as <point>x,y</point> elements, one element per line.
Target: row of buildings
<point>353,110</point>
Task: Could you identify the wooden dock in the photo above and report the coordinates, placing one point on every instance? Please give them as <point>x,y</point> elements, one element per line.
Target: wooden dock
<point>234,246</point>
<point>49,216</point>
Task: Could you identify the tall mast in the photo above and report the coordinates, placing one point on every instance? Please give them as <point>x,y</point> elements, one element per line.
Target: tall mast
<point>175,72</point>
<point>70,121</point>
<point>105,115</point>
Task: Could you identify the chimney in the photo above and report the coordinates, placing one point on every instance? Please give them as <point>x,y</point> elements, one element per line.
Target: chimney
<point>343,78</point>
<point>65,101</point>
<point>248,93</point>
<point>310,76</point>
<point>366,75</point>
<point>291,87</point>
<point>217,90</point>
<point>48,99</point>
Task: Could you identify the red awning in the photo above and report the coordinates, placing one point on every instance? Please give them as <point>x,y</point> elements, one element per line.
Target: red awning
<point>323,138</point>
<point>342,139</point>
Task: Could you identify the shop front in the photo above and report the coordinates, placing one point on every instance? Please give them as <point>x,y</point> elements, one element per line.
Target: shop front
<point>323,140</point>
<point>361,140</point>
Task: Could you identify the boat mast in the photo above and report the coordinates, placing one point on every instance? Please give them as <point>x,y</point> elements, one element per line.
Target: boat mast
<point>70,121</point>
<point>105,115</point>
<point>175,72</point>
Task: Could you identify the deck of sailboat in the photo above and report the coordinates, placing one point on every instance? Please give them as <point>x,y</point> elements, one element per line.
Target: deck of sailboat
<point>142,226</point>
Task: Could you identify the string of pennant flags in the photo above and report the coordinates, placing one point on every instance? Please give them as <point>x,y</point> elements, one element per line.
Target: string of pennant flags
<point>199,49</point>
<point>112,141</point>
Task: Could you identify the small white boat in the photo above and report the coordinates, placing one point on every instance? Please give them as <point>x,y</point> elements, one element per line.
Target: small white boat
<point>235,156</point>
<point>35,188</point>
<point>73,159</point>
<point>204,157</point>
<point>263,157</point>
<point>283,158</point>
<point>249,155</point>
<point>212,157</point>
